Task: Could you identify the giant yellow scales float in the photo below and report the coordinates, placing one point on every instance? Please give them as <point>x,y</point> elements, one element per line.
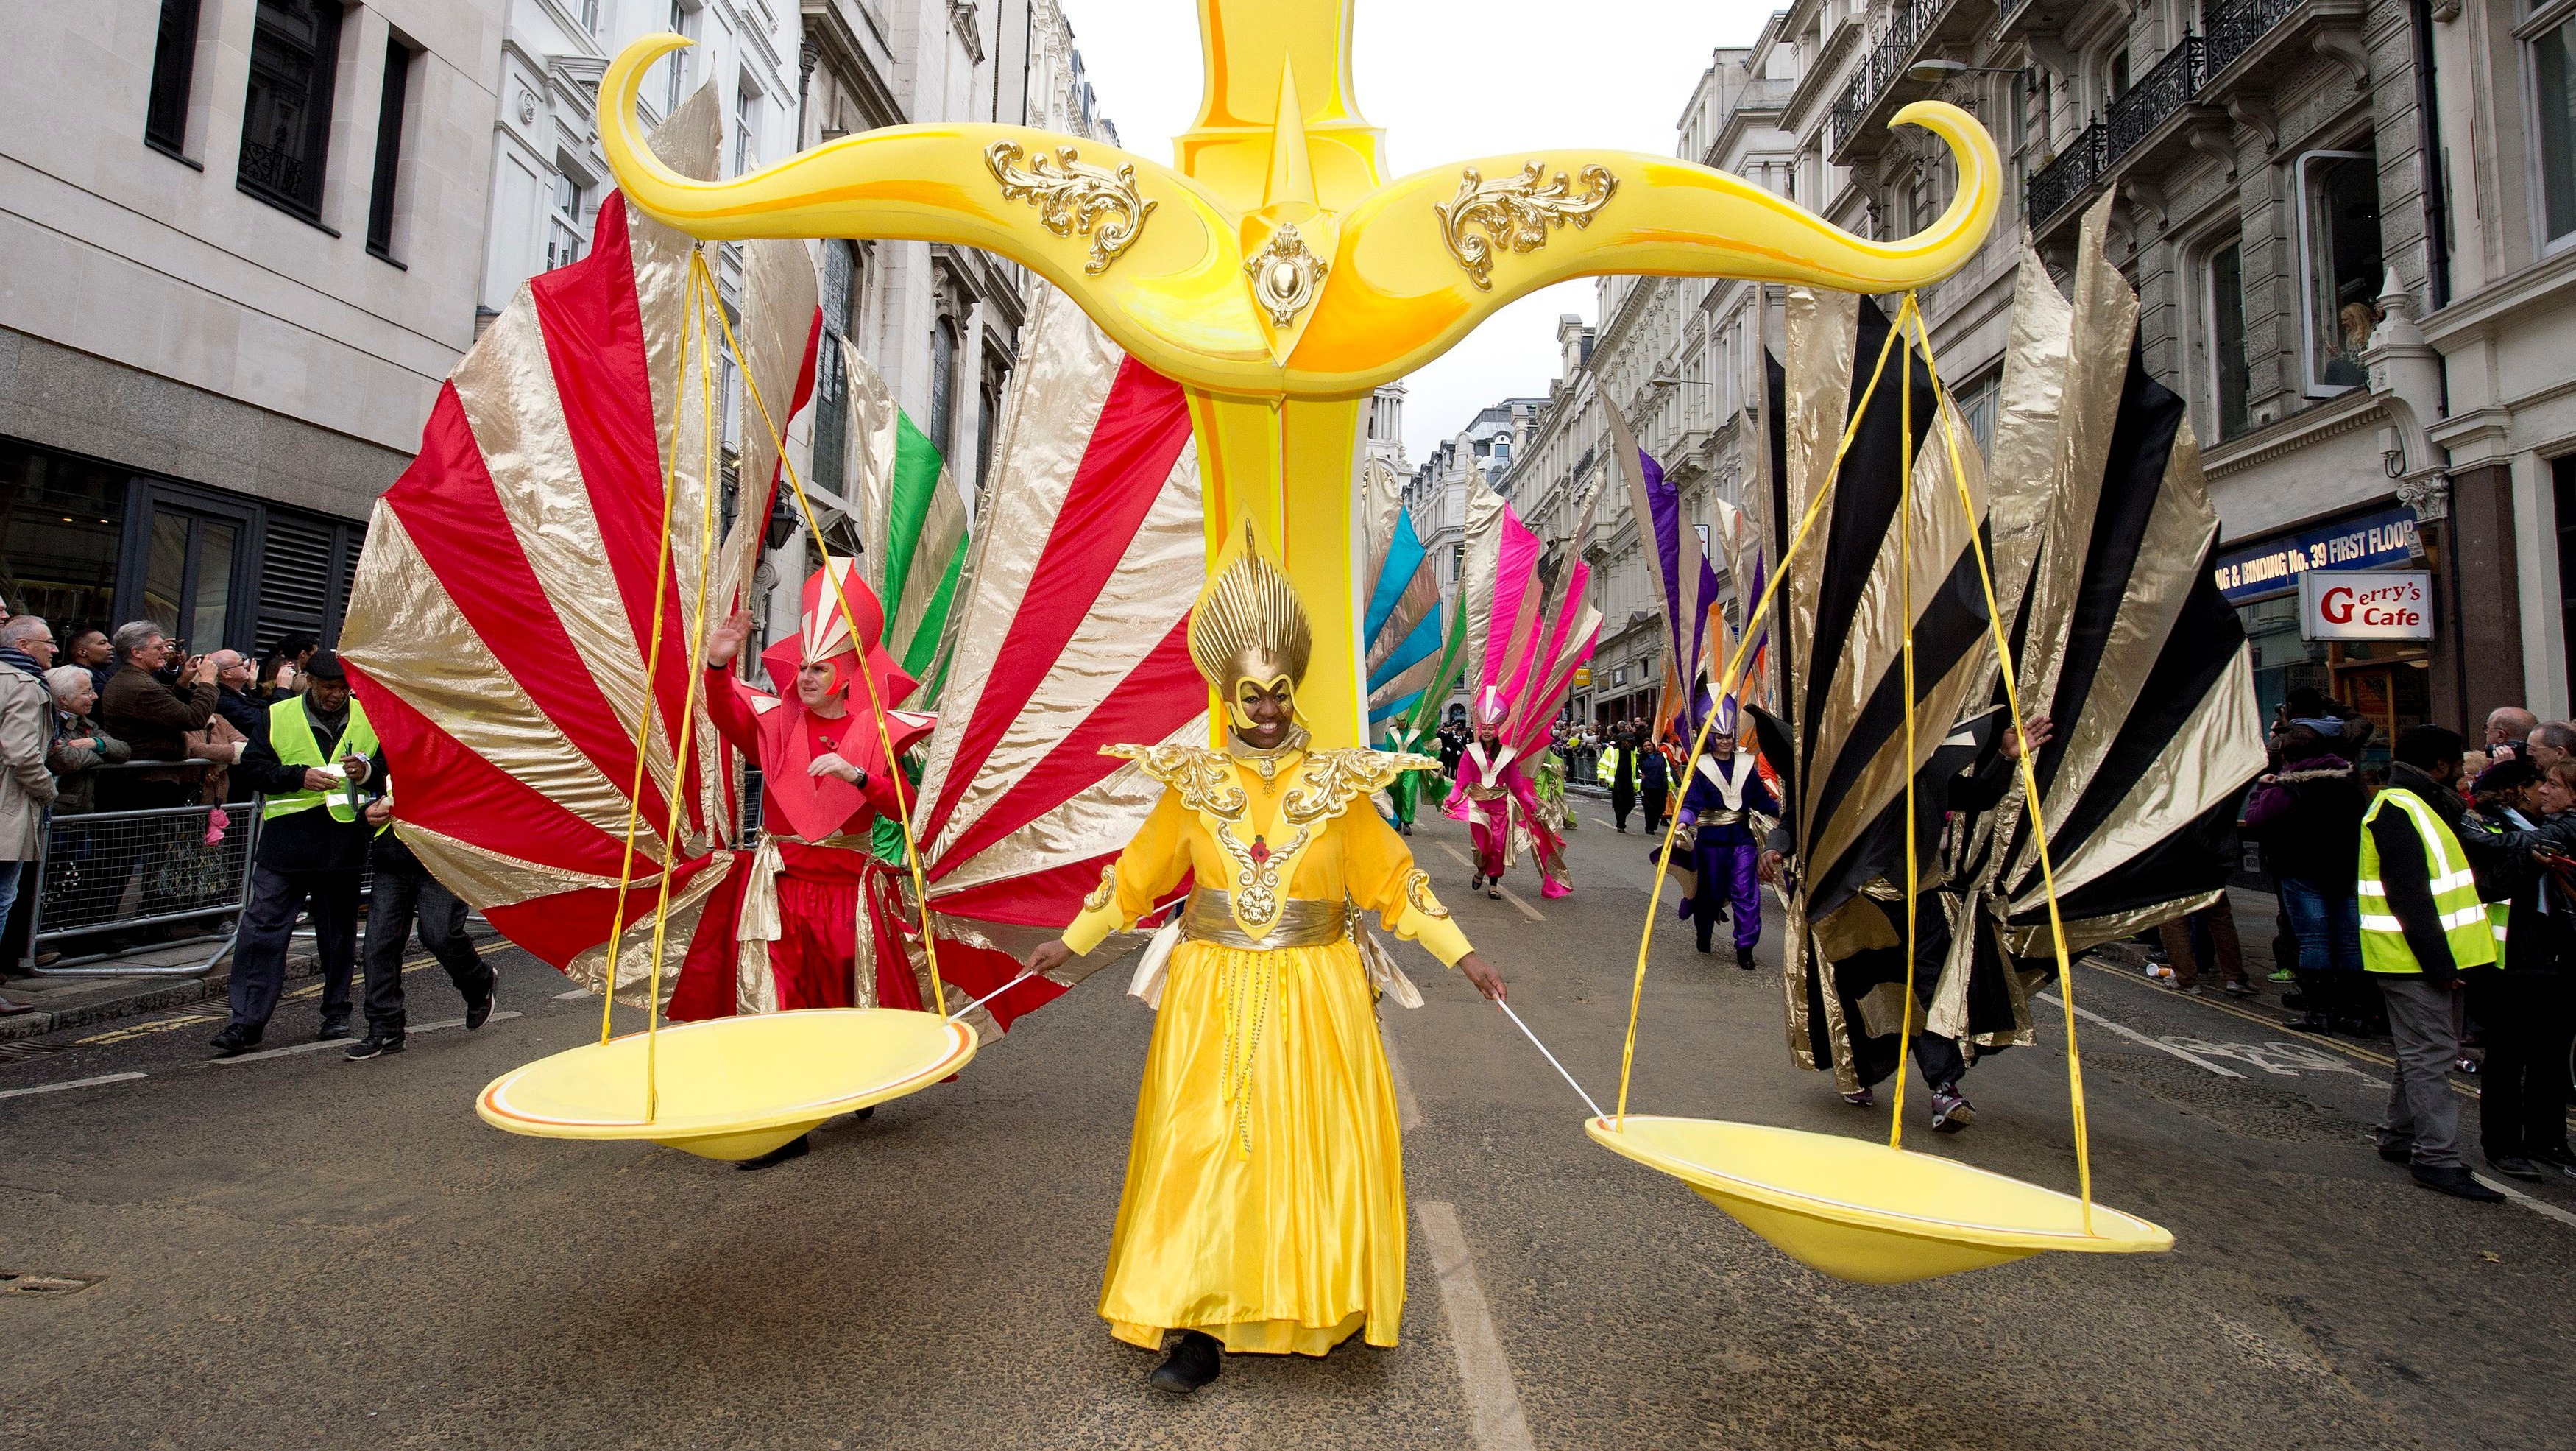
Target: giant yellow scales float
<point>1278,276</point>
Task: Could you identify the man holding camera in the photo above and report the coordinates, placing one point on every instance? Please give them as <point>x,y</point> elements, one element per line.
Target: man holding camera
<point>315,761</point>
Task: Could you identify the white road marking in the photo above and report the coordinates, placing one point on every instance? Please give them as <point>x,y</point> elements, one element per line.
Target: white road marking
<point>73,1083</point>
<point>344,1042</point>
<point>1509,895</point>
<point>2526,1201</point>
<point>579,992</point>
<point>2134,1036</point>
<point>1610,825</point>
<point>1493,1403</point>
<point>1408,1109</point>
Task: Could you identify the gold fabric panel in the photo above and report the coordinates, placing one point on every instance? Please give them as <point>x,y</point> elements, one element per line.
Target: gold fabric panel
<point>482,878</point>
<point>1484,538</point>
<point>1066,368</point>
<point>635,944</point>
<point>2029,430</point>
<point>409,637</point>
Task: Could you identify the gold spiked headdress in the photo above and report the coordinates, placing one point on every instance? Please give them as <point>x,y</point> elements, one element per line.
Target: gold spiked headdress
<point>1248,624</point>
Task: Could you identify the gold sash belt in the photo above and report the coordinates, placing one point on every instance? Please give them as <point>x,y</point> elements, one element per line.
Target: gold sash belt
<point>1487,793</point>
<point>1303,922</point>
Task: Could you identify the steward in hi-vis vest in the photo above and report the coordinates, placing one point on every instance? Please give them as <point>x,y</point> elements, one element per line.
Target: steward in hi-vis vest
<point>316,768</point>
<point>2424,924</point>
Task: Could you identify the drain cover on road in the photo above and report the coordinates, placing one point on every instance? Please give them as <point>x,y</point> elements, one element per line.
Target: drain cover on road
<point>31,1282</point>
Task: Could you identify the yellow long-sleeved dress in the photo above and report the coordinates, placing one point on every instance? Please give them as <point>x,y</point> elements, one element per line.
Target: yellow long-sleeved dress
<point>1265,1186</point>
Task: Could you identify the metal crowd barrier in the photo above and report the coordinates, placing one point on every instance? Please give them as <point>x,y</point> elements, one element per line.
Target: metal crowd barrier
<point>103,873</point>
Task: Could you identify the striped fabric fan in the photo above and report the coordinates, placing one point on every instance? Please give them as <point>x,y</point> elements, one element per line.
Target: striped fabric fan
<point>1526,634</point>
<point>1070,635</point>
<point>1409,657</point>
<point>915,522</point>
<point>501,626</point>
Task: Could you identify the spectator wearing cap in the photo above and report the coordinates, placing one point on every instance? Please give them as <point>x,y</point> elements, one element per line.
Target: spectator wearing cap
<point>315,759</point>
<point>26,728</point>
<point>2306,813</point>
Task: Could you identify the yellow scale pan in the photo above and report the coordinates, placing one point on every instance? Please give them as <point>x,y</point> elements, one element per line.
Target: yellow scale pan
<point>730,1088</point>
<point>1865,1212</point>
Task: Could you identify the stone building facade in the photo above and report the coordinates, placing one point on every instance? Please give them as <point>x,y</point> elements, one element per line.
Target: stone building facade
<point>249,236</point>
<point>1678,357</point>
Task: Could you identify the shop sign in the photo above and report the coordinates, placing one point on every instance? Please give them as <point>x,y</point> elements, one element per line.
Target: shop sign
<point>1582,676</point>
<point>2366,604</point>
<point>2273,567</point>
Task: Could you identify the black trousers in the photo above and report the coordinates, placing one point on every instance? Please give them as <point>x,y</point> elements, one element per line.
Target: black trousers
<point>268,924</point>
<point>2528,1021</point>
<point>403,895</point>
<point>1656,797</point>
<point>1623,799</point>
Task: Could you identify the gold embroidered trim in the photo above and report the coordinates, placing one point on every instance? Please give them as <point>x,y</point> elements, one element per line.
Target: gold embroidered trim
<point>1335,779</point>
<point>1257,899</point>
<point>1107,889</point>
<point>1417,890</point>
<point>1205,778</point>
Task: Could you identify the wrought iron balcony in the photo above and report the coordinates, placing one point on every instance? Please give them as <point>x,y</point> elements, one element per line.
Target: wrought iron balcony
<point>275,173</point>
<point>1880,68</point>
<point>2074,172</point>
<point>2166,88</point>
<point>2234,26</point>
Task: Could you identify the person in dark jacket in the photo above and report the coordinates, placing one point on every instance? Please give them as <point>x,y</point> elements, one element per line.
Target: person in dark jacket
<point>314,760</point>
<point>233,701</point>
<point>2306,813</point>
<point>2526,1009</point>
<point>1655,784</point>
<point>152,718</point>
<point>1623,780</point>
<point>404,893</point>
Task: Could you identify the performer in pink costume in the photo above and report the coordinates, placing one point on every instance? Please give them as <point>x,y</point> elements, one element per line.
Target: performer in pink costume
<point>1499,802</point>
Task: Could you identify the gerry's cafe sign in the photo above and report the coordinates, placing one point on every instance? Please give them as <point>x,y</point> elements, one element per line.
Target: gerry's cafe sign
<point>2365,604</point>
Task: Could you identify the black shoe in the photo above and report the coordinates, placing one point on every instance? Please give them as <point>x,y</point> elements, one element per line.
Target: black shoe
<point>1744,958</point>
<point>478,1010</point>
<point>2457,1182</point>
<point>1193,1362</point>
<point>332,1028</point>
<point>2312,1023</point>
<point>1704,943</point>
<point>2558,1158</point>
<point>2397,1154</point>
<point>377,1043</point>
<point>2514,1166</point>
<point>234,1041</point>
<point>1475,883</point>
<point>1495,892</point>
<point>795,1148</point>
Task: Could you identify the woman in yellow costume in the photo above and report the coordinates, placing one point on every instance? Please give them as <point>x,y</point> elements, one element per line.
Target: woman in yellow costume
<point>1264,1208</point>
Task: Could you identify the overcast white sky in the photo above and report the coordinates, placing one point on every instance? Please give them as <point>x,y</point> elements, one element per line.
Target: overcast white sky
<point>1450,80</point>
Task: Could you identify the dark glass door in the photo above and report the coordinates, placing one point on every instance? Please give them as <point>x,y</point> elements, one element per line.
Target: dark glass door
<point>187,559</point>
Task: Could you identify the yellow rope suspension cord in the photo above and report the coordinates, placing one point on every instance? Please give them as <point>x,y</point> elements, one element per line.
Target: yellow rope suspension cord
<point>1727,682</point>
<point>1905,566</point>
<point>2030,802</point>
<point>680,759</point>
<point>885,739</point>
<point>652,667</point>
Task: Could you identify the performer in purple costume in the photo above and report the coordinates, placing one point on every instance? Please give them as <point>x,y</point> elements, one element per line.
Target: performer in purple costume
<point>1725,850</point>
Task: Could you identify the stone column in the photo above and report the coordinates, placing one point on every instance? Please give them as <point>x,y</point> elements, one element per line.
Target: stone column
<point>2477,651</point>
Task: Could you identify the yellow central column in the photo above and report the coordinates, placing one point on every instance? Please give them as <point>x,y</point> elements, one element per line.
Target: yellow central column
<point>1286,467</point>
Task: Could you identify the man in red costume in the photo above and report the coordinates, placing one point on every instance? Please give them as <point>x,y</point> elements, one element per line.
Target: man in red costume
<point>822,921</point>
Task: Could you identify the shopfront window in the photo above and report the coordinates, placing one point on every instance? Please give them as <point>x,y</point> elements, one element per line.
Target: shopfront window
<point>2340,261</point>
<point>61,521</point>
<point>2553,73</point>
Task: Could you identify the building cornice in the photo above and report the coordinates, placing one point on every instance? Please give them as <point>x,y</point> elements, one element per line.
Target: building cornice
<point>2492,309</point>
<point>2330,419</point>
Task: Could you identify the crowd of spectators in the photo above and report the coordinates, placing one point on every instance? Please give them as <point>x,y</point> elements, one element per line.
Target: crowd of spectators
<point>2431,899</point>
<point>101,720</point>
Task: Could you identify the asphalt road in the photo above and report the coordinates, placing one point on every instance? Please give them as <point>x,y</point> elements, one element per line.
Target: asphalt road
<point>297,1250</point>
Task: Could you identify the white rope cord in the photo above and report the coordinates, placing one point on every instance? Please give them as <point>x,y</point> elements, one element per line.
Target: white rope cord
<point>1551,1058</point>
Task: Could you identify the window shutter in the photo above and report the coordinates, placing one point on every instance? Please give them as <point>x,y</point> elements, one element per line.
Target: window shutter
<point>295,578</point>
